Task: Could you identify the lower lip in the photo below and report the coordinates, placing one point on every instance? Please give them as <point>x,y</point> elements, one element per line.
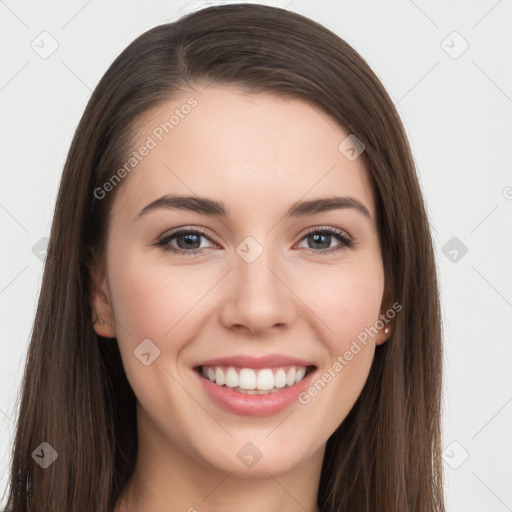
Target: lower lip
<point>255,405</point>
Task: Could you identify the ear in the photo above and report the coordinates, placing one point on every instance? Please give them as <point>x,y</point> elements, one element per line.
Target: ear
<point>387,329</point>
<point>99,298</point>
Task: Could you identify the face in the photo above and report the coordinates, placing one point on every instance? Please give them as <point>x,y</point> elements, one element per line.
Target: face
<point>251,290</point>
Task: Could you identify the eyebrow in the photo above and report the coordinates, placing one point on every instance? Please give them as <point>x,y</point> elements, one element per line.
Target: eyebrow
<point>211,207</point>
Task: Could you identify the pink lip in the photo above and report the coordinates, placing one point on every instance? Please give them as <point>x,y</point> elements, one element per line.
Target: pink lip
<point>255,405</point>
<point>245,361</point>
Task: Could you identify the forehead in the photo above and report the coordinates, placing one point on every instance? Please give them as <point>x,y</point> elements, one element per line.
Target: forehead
<point>252,151</point>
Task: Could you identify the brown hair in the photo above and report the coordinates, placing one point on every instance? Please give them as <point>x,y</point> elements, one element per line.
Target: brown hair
<point>386,454</point>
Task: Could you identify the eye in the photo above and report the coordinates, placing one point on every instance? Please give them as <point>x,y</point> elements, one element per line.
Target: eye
<point>324,236</point>
<point>188,241</point>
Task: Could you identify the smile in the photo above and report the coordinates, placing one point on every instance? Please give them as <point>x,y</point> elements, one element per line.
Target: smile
<point>251,381</point>
<point>250,385</point>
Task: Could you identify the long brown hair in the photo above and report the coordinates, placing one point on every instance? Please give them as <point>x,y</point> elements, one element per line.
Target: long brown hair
<point>385,456</point>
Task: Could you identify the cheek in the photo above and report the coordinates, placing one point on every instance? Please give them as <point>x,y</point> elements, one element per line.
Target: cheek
<point>152,302</point>
<point>141,299</point>
<point>348,301</point>
<point>349,305</point>
<point>151,299</point>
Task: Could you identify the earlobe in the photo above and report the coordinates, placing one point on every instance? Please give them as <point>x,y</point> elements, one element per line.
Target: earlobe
<point>386,330</point>
<point>99,298</point>
<point>384,335</point>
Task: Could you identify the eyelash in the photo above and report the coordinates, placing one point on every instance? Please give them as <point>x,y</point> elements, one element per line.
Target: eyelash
<point>346,241</point>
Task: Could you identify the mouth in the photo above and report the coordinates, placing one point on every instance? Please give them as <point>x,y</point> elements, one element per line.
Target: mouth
<point>255,381</point>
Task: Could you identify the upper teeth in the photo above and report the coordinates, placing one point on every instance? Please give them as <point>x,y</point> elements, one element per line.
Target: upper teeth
<point>247,378</point>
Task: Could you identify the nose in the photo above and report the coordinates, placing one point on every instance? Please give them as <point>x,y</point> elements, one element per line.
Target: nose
<point>257,297</point>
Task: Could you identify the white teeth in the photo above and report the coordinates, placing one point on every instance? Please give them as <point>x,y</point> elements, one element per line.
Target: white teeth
<point>219,376</point>
<point>255,391</point>
<point>290,377</point>
<point>280,378</point>
<point>231,378</point>
<point>253,382</point>
<point>300,374</point>
<point>265,380</point>
<point>247,379</point>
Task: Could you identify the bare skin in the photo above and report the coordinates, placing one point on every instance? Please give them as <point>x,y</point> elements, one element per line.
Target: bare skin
<point>259,155</point>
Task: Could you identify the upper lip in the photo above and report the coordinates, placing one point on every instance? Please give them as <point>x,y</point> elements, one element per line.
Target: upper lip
<point>246,361</point>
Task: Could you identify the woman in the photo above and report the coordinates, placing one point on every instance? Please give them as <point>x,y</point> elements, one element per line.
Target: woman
<point>256,369</point>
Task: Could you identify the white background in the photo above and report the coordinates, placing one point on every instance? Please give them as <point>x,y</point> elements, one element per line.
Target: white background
<point>457,113</point>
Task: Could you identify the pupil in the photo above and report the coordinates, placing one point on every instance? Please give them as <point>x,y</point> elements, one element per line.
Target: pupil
<point>188,237</point>
<point>315,238</point>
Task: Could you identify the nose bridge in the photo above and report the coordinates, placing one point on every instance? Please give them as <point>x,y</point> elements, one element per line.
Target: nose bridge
<point>257,296</point>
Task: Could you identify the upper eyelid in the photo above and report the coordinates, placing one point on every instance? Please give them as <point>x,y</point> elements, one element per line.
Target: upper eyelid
<point>186,230</point>
<point>328,228</point>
